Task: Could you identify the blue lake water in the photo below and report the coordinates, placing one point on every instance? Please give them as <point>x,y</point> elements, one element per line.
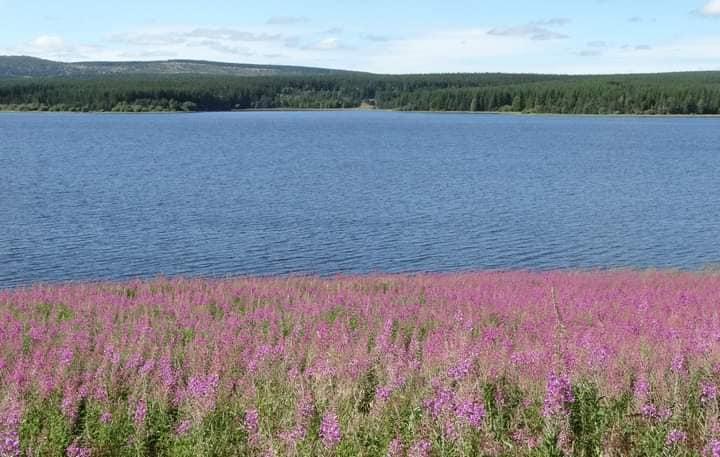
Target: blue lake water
<point>97,196</point>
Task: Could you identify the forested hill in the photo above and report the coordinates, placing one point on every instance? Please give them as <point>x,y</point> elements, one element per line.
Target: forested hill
<point>23,66</point>
<point>669,93</point>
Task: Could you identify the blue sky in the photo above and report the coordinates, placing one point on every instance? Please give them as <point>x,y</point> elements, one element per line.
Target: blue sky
<point>389,36</point>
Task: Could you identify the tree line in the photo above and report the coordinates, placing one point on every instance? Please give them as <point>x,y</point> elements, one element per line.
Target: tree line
<point>670,93</point>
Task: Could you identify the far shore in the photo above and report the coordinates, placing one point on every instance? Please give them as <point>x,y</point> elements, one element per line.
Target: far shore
<point>291,110</point>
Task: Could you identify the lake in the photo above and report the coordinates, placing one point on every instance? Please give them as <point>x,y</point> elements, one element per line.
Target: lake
<point>100,196</point>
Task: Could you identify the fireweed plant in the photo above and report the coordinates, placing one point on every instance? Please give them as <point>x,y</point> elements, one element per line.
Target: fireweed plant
<point>497,364</point>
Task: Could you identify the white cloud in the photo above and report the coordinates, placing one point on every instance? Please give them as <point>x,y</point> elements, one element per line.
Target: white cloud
<point>455,50</point>
<point>287,20</point>
<point>535,30</point>
<point>711,8</point>
<point>554,21</point>
<point>326,44</point>
<point>170,36</point>
<point>48,43</point>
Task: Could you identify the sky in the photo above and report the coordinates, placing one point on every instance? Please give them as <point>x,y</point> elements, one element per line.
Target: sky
<point>381,36</point>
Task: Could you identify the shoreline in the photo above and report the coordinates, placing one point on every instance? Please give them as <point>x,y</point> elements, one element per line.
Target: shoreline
<point>705,270</point>
<point>379,110</point>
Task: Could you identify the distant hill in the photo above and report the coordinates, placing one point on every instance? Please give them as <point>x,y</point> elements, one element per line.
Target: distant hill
<point>23,66</point>
<point>31,84</point>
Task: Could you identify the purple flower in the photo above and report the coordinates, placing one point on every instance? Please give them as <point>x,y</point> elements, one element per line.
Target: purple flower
<point>252,424</point>
<point>395,448</point>
<point>106,417</point>
<point>642,389</point>
<point>66,356</point>
<point>443,399</point>
<point>713,449</point>
<point>10,444</point>
<point>201,387</point>
<point>330,430</point>
<point>460,371</point>
<point>140,412</point>
<point>74,450</point>
<point>708,392</point>
<point>676,437</point>
<point>421,448</point>
<point>383,393</point>
<point>679,364</point>
<point>183,427</point>
<point>558,395</point>
<point>649,411</point>
<point>472,412</point>
<point>294,436</point>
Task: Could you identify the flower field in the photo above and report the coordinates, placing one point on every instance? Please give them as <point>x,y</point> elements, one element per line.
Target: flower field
<point>527,364</point>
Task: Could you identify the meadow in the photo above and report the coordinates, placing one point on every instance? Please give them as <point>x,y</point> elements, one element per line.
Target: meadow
<point>622,363</point>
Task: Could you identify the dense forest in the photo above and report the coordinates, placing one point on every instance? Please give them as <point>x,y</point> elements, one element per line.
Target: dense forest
<point>669,93</point>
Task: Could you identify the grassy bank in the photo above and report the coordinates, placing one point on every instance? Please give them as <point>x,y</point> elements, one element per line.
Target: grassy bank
<point>545,364</point>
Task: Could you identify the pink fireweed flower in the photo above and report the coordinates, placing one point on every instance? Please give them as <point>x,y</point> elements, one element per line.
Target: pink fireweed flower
<point>708,392</point>
<point>472,412</point>
<point>330,430</point>
<point>649,411</point>
<point>201,387</point>
<point>395,448</point>
<point>444,399</point>
<point>183,428</point>
<point>306,409</point>
<point>558,395</point>
<point>106,417</point>
<point>140,412</point>
<point>713,449</point>
<point>147,367</point>
<point>294,436</point>
<point>66,356</point>
<point>460,371</point>
<point>10,444</point>
<point>676,437</point>
<point>10,418</point>
<point>449,430</point>
<point>523,438</point>
<point>383,393</point>
<point>252,425</point>
<point>642,389</point>
<point>679,364</point>
<point>75,450</point>
<point>421,448</point>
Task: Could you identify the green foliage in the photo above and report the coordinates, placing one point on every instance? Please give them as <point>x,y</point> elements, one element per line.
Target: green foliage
<point>587,421</point>
<point>44,430</point>
<point>502,400</point>
<point>368,385</point>
<point>670,93</point>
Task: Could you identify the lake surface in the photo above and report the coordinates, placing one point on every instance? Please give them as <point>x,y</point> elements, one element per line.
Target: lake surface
<point>97,196</point>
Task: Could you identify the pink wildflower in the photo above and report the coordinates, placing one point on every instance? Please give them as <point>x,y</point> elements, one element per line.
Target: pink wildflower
<point>183,428</point>
<point>472,412</point>
<point>708,392</point>
<point>676,437</point>
<point>421,448</point>
<point>252,424</point>
<point>558,395</point>
<point>330,430</point>
<point>395,448</point>
<point>713,449</point>
<point>140,412</point>
<point>75,450</point>
<point>679,364</point>
<point>106,417</point>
